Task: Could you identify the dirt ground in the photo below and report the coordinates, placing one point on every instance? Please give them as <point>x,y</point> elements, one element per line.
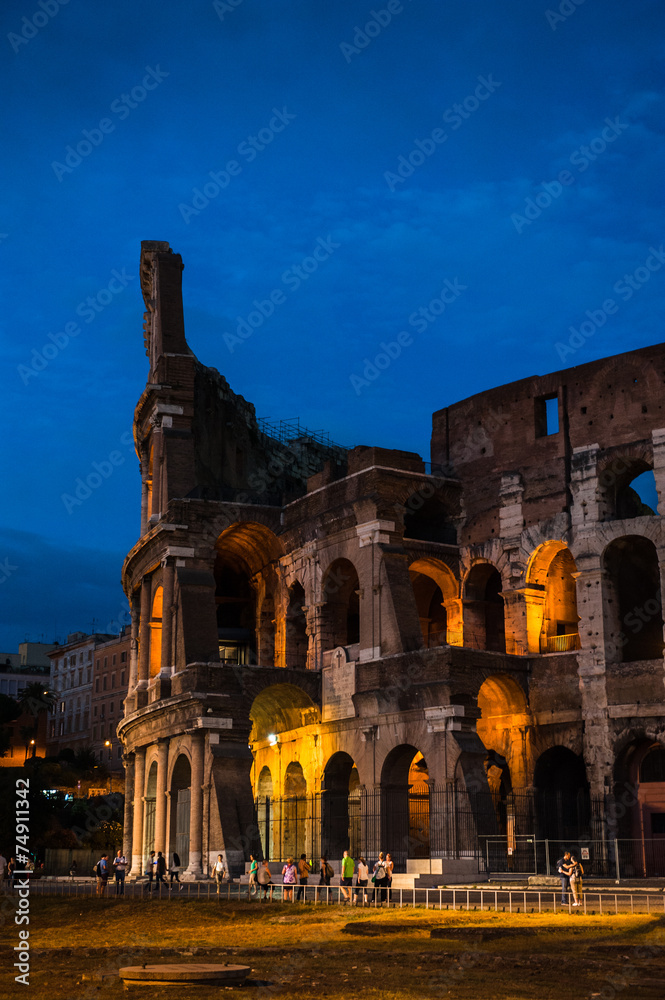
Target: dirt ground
<point>77,947</point>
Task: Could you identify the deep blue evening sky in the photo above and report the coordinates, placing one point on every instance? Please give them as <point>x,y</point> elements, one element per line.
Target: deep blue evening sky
<point>534,89</point>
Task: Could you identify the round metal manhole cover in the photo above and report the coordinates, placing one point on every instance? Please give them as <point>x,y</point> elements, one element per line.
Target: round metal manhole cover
<point>190,974</point>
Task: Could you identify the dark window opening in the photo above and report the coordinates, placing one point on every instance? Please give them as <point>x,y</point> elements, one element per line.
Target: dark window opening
<point>546,415</point>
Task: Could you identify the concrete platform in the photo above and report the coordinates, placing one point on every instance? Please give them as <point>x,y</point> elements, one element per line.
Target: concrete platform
<point>184,974</point>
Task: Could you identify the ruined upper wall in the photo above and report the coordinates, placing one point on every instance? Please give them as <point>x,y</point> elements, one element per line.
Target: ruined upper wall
<point>612,403</point>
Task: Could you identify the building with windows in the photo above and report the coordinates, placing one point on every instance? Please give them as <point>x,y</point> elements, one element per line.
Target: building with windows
<point>27,733</point>
<point>110,677</point>
<point>70,724</point>
<point>460,661</point>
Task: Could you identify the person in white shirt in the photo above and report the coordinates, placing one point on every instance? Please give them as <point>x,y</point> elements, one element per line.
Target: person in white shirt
<point>219,871</point>
<point>120,869</point>
<point>362,880</point>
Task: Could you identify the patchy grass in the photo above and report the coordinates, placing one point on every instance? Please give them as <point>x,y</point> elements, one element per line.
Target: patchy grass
<point>77,947</point>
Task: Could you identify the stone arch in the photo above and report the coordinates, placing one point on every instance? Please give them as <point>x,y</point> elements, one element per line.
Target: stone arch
<point>632,604</point>
<point>340,806</point>
<point>436,592</point>
<point>551,599</point>
<point>623,475</point>
<point>340,614</point>
<point>264,810</point>
<point>180,783</point>
<point>245,553</point>
<point>150,808</point>
<point>483,608</point>
<point>279,708</point>
<point>156,632</point>
<point>295,626</point>
<point>638,809</point>
<point>294,812</point>
<point>405,803</point>
<point>563,806</point>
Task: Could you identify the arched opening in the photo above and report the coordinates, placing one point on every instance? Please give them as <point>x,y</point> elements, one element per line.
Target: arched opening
<point>433,586</point>
<point>278,709</point>
<point>264,814</point>
<point>340,616</point>
<point>406,804</point>
<point>266,632</point>
<point>156,633</point>
<point>429,521</point>
<point>181,781</point>
<point>503,727</point>
<point>633,610</point>
<point>340,807</point>
<point>297,640</point>
<point>628,489</point>
<point>150,808</point>
<point>294,811</point>
<point>563,807</point>
<point>551,600</point>
<point>639,807</point>
<point>484,622</point>
<point>243,552</point>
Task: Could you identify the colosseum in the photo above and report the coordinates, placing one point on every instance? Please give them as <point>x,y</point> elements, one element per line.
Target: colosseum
<point>459,661</point>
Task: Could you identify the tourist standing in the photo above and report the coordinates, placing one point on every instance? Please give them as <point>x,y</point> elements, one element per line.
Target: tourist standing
<point>380,879</point>
<point>219,871</point>
<point>149,871</point>
<point>562,870</point>
<point>348,868</point>
<point>160,870</point>
<point>253,869</point>
<point>120,868</point>
<point>326,872</point>
<point>362,879</point>
<point>289,874</point>
<point>264,878</point>
<point>102,870</point>
<point>390,864</point>
<point>575,873</point>
<point>304,868</point>
<point>174,871</point>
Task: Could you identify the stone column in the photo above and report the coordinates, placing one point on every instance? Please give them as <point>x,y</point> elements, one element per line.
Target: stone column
<point>144,635</point>
<point>597,649</point>
<point>196,807</point>
<point>160,799</point>
<point>139,799</point>
<point>167,613</point>
<point>454,619</point>
<point>135,610</point>
<point>128,761</point>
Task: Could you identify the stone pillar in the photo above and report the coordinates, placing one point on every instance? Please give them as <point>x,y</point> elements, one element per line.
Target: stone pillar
<point>160,795</point>
<point>315,646</point>
<point>524,619</point>
<point>586,506</point>
<point>658,440</point>
<point>137,825</point>
<point>595,652</point>
<point>144,635</point>
<point>167,613</point>
<point>145,495</point>
<point>196,807</point>
<point>454,620</point>
<point>128,761</point>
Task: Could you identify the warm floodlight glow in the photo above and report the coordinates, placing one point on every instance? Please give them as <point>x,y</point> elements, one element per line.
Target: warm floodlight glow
<point>272,740</point>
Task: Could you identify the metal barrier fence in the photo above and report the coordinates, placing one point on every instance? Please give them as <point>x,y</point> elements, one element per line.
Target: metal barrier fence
<point>603,858</point>
<point>469,899</point>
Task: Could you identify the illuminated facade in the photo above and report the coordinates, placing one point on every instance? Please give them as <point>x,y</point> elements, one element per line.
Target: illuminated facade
<point>337,649</point>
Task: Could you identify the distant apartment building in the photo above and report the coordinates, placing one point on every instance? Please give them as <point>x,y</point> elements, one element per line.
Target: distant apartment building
<point>70,724</point>
<point>110,679</point>
<point>17,671</point>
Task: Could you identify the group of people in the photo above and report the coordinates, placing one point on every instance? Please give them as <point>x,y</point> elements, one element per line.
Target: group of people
<point>294,875</point>
<point>570,871</point>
